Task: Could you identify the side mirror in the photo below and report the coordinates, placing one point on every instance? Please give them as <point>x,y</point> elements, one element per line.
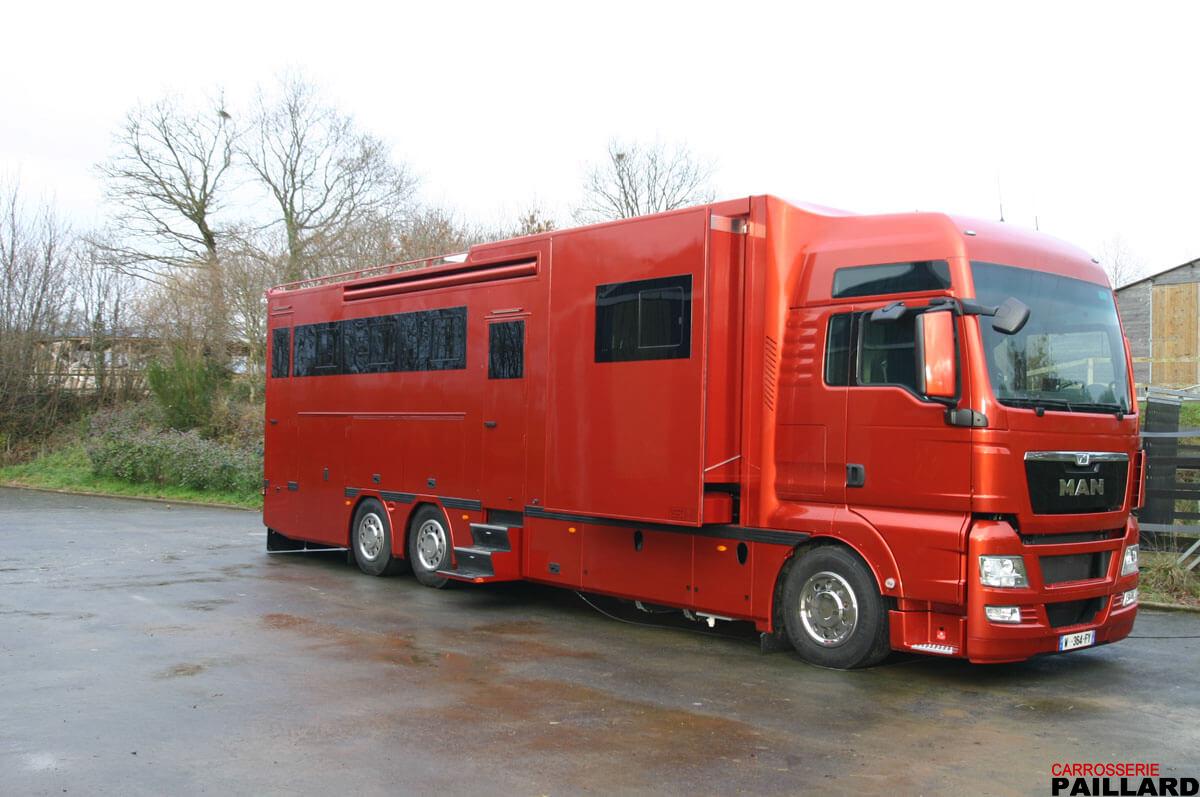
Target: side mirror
<point>937,356</point>
<point>1011,316</point>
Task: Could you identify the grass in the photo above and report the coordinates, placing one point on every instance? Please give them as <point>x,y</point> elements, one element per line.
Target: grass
<point>68,468</point>
<point>1189,414</point>
<point>1164,581</point>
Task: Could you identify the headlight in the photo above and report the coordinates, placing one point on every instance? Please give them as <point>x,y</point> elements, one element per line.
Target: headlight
<point>1002,571</point>
<point>1129,597</point>
<point>1129,565</point>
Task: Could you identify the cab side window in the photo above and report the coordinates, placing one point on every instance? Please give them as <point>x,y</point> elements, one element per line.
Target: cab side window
<point>887,352</point>
<point>860,352</point>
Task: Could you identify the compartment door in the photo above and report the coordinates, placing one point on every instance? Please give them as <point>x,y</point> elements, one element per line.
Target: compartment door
<point>502,452</point>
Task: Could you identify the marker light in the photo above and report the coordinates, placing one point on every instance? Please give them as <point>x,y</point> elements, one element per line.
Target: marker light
<point>1003,614</point>
<point>1129,565</point>
<point>1002,571</point>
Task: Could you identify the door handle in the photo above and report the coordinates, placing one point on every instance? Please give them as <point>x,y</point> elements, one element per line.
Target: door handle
<point>274,421</point>
<point>856,475</point>
<point>490,424</point>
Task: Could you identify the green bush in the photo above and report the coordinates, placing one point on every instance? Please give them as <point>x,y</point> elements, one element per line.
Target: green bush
<point>185,387</point>
<point>129,443</point>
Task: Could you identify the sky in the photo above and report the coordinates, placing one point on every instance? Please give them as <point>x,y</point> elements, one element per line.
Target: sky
<point>1082,118</point>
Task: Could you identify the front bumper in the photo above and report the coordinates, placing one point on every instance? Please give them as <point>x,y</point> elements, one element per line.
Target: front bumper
<point>1048,610</point>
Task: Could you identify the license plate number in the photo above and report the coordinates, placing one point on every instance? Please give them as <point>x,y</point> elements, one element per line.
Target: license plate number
<point>1081,640</point>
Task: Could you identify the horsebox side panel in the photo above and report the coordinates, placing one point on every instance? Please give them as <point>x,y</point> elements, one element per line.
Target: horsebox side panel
<point>624,419</point>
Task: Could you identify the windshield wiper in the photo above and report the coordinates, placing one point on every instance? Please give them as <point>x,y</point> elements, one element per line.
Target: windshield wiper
<point>1058,403</point>
<point>1038,403</point>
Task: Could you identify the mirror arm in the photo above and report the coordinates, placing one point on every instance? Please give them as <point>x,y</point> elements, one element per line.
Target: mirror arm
<point>965,306</point>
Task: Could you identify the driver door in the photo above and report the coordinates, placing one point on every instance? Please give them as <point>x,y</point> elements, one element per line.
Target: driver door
<point>908,470</point>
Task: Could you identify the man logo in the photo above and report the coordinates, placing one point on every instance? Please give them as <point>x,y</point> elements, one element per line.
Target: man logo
<point>1073,487</point>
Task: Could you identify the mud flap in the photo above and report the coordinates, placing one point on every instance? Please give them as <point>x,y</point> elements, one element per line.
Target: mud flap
<point>277,543</point>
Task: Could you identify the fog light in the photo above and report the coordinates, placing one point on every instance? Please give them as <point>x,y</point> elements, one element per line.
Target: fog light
<point>1003,614</point>
<point>1002,571</point>
<point>1129,565</point>
<point>1129,598</point>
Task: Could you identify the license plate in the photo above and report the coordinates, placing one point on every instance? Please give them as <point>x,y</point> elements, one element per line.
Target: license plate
<point>1081,640</point>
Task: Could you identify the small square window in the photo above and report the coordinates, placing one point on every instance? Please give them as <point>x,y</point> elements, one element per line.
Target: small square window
<point>644,320</point>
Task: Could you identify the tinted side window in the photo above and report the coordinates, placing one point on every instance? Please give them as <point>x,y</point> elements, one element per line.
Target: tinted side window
<point>328,338</point>
<point>506,350</point>
<point>448,342</point>
<point>281,350</point>
<point>837,350</point>
<point>426,340</point>
<point>923,275</point>
<point>644,320</point>
<point>304,350</point>
<point>354,341</point>
<point>887,352</point>
<point>381,343</point>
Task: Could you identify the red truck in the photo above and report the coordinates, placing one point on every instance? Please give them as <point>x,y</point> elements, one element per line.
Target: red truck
<point>907,432</point>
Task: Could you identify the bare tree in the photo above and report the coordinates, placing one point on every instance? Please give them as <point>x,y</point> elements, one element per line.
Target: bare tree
<point>35,302</point>
<point>533,221</point>
<point>168,181</point>
<point>436,231</point>
<point>104,294</point>
<point>636,179</point>
<point>322,174</point>
<point>1122,266</point>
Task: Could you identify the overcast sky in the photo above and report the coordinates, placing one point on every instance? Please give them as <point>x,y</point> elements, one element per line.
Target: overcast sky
<point>1086,114</point>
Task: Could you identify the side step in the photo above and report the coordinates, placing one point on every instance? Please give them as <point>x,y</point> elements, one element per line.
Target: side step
<point>491,558</point>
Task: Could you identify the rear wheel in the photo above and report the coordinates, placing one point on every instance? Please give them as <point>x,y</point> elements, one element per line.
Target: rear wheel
<point>371,540</point>
<point>429,546</point>
<point>832,610</point>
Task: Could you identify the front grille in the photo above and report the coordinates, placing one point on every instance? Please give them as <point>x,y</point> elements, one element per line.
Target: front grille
<point>1059,486</point>
<point>1074,567</point>
<point>1065,613</point>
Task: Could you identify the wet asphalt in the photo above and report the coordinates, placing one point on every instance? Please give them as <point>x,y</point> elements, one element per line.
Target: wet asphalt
<point>157,649</point>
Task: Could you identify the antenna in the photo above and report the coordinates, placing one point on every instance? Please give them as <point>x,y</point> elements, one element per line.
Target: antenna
<point>1035,224</point>
<point>1000,196</point>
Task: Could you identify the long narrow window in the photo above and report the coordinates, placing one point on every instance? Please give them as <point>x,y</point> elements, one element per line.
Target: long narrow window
<point>426,340</point>
<point>885,278</point>
<point>837,350</point>
<point>281,350</point>
<point>644,320</point>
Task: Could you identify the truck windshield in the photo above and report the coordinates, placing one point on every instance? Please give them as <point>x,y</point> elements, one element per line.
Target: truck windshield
<point>1069,356</point>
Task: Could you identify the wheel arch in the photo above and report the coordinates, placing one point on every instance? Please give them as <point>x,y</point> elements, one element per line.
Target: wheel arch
<point>399,516</point>
<point>819,541</point>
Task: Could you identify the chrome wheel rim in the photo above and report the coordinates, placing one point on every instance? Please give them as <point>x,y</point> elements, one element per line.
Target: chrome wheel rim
<point>828,609</point>
<point>370,536</point>
<point>431,544</point>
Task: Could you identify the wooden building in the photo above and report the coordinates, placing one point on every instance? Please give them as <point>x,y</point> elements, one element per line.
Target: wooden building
<point>1162,319</point>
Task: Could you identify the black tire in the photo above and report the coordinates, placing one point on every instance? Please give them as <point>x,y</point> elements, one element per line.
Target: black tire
<point>836,579</point>
<point>371,540</point>
<point>427,524</point>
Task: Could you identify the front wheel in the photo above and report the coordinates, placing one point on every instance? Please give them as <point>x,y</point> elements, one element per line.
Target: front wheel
<point>832,610</point>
